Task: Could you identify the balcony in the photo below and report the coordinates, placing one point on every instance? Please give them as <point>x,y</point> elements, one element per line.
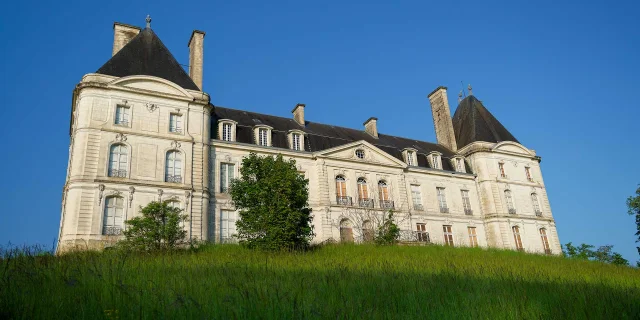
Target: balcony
<point>117,173</point>
<point>112,231</point>
<point>538,213</point>
<point>386,204</point>
<point>173,179</point>
<point>468,212</point>
<point>418,207</point>
<point>344,201</point>
<point>365,202</point>
<point>512,211</point>
<point>444,210</point>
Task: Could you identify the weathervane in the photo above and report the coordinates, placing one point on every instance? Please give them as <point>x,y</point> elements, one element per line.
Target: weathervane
<point>148,20</point>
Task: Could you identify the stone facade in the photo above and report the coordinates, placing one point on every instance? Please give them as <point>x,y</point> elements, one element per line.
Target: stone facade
<point>165,121</point>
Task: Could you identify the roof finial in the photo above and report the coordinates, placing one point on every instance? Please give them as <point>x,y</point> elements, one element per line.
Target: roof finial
<point>469,88</point>
<point>148,20</point>
<point>460,96</point>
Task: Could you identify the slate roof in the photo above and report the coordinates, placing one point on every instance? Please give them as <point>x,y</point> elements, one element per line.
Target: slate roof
<point>322,136</point>
<point>473,122</point>
<point>145,54</point>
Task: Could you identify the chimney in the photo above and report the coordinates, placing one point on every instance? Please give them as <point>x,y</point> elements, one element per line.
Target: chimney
<point>196,50</point>
<point>442,118</point>
<point>122,34</point>
<point>298,113</point>
<point>371,127</point>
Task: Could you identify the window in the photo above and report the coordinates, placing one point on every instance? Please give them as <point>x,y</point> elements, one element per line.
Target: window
<point>410,158</point>
<point>536,204</point>
<point>517,238</point>
<point>435,161</point>
<point>295,138</point>
<point>421,232</point>
<point>226,131</point>
<point>416,197</point>
<point>346,232</point>
<point>113,216</point>
<point>448,235</point>
<point>473,237</point>
<point>122,115</point>
<point>360,153</point>
<point>227,225</point>
<point>501,168</point>
<point>442,200</point>
<point>460,165</point>
<point>118,161</point>
<point>175,123</point>
<point>363,193</point>
<point>341,192</point>
<point>262,137</point>
<point>226,175</point>
<point>545,241</point>
<point>510,206</point>
<point>383,195</point>
<point>173,168</point>
<point>367,231</point>
<point>466,204</point>
<point>527,171</point>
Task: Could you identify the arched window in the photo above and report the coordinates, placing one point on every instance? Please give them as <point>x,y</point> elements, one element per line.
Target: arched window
<point>118,161</point>
<point>383,195</point>
<point>341,191</point>
<point>510,206</point>
<point>545,241</point>
<point>367,231</point>
<point>517,238</point>
<point>173,167</point>
<point>113,220</point>
<point>536,204</point>
<point>346,231</point>
<point>363,193</point>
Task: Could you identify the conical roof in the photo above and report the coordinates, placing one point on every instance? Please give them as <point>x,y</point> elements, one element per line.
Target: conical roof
<point>146,55</point>
<point>473,122</point>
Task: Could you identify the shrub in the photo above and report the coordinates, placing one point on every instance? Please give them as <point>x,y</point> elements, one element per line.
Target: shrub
<point>157,229</point>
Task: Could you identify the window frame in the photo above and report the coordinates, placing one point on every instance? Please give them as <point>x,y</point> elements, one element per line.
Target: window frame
<point>292,134</point>
<point>435,160</point>
<point>447,231</point>
<point>232,130</point>
<point>127,157</point>
<point>545,240</point>
<point>171,163</point>
<point>410,156</point>
<point>442,199</point>
<point>501,170</point>
<point>230,219</point>
<point>459,164</point>
<point>510,202</point>
<point>179,129</point>
<point>473,236</point>
<point>122,122</point>
<point>105,216</point>
<point>535,201</point>
<point>466,201</point>
<point>417,200</point>
<point>527,172</point>
<point>517,238</point>
<point>224,179</point>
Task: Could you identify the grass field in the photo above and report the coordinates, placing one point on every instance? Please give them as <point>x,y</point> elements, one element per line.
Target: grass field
<point>342,281</point>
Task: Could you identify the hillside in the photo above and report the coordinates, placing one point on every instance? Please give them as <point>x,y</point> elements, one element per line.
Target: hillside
<point>330,282</point>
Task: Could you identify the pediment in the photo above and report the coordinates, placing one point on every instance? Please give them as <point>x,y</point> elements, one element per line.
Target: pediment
<point>512,147</point>
<point>372,154</point>
<point>150,83</point>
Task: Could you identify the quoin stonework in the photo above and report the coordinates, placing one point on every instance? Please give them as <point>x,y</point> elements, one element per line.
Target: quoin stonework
<point>143,129</point>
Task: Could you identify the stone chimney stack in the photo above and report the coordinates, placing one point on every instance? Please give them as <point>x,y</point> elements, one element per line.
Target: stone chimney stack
<point>371,127</point>
<point>196,51</point>
<point>122,34</point>
<point>442,118</point>
<point>298,113</point>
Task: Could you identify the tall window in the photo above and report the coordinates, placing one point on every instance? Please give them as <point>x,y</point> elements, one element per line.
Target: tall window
<point>435,159</point>
<point>122,115</point>
<point>367,231</point>
<point>416,197</point>
<point>383,195</point>
<point>473,237</point>
<point>226,175</point>
<point>421,232</point>
<point>448,235</point>
<point>118,161</point>
<point>175,123</point>
<point>227,225</point>
<point>341,191</point>
<point>346,231</point>
<point>296,141</point>
<point>262,137</point>
<point>536,204</point>
<point>510,206</point>
<point>363,194</point>
<point>501,168</point>
<point>226,131</point>
<point>545,241</point>
<point>113,220</point>
<point>410,158</point>
<point>442,200</point>
<point>173,168</point>
<point>466,204</point>
<point>527,171</point>
<point>517,238</point>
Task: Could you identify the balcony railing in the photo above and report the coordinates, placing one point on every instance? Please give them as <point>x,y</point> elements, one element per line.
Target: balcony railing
<point>365,202</point>
<point>538,213</point>
<point>512,211</point>
<point>444,210</point>
<point>118,173</point>
<point>386,204</point>
<point>174,179</point>
<point>418,207</point>
<point>112,231</point>
<point>344,201</point>
<point>468,212</point>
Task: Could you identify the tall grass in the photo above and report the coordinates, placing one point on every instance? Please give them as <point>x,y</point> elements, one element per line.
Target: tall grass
<point>343,281</point>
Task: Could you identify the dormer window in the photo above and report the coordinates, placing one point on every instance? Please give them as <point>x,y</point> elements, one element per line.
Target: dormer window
<point>435,160</point>
<point>263,135</point>
<point>458,164</point>
<point>410,157</point>
<point>226,130</point>
<point>296,140</point>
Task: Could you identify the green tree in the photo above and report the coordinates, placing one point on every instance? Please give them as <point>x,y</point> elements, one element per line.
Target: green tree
<point>157,229</point>
<point>633,204</point>
<point>388,231</point>
<point>272,198</point>
<point>602,254</point>
<point>583,252</point>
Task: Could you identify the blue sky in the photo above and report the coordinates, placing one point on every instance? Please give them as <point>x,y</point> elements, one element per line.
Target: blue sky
<point>559,76</point>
